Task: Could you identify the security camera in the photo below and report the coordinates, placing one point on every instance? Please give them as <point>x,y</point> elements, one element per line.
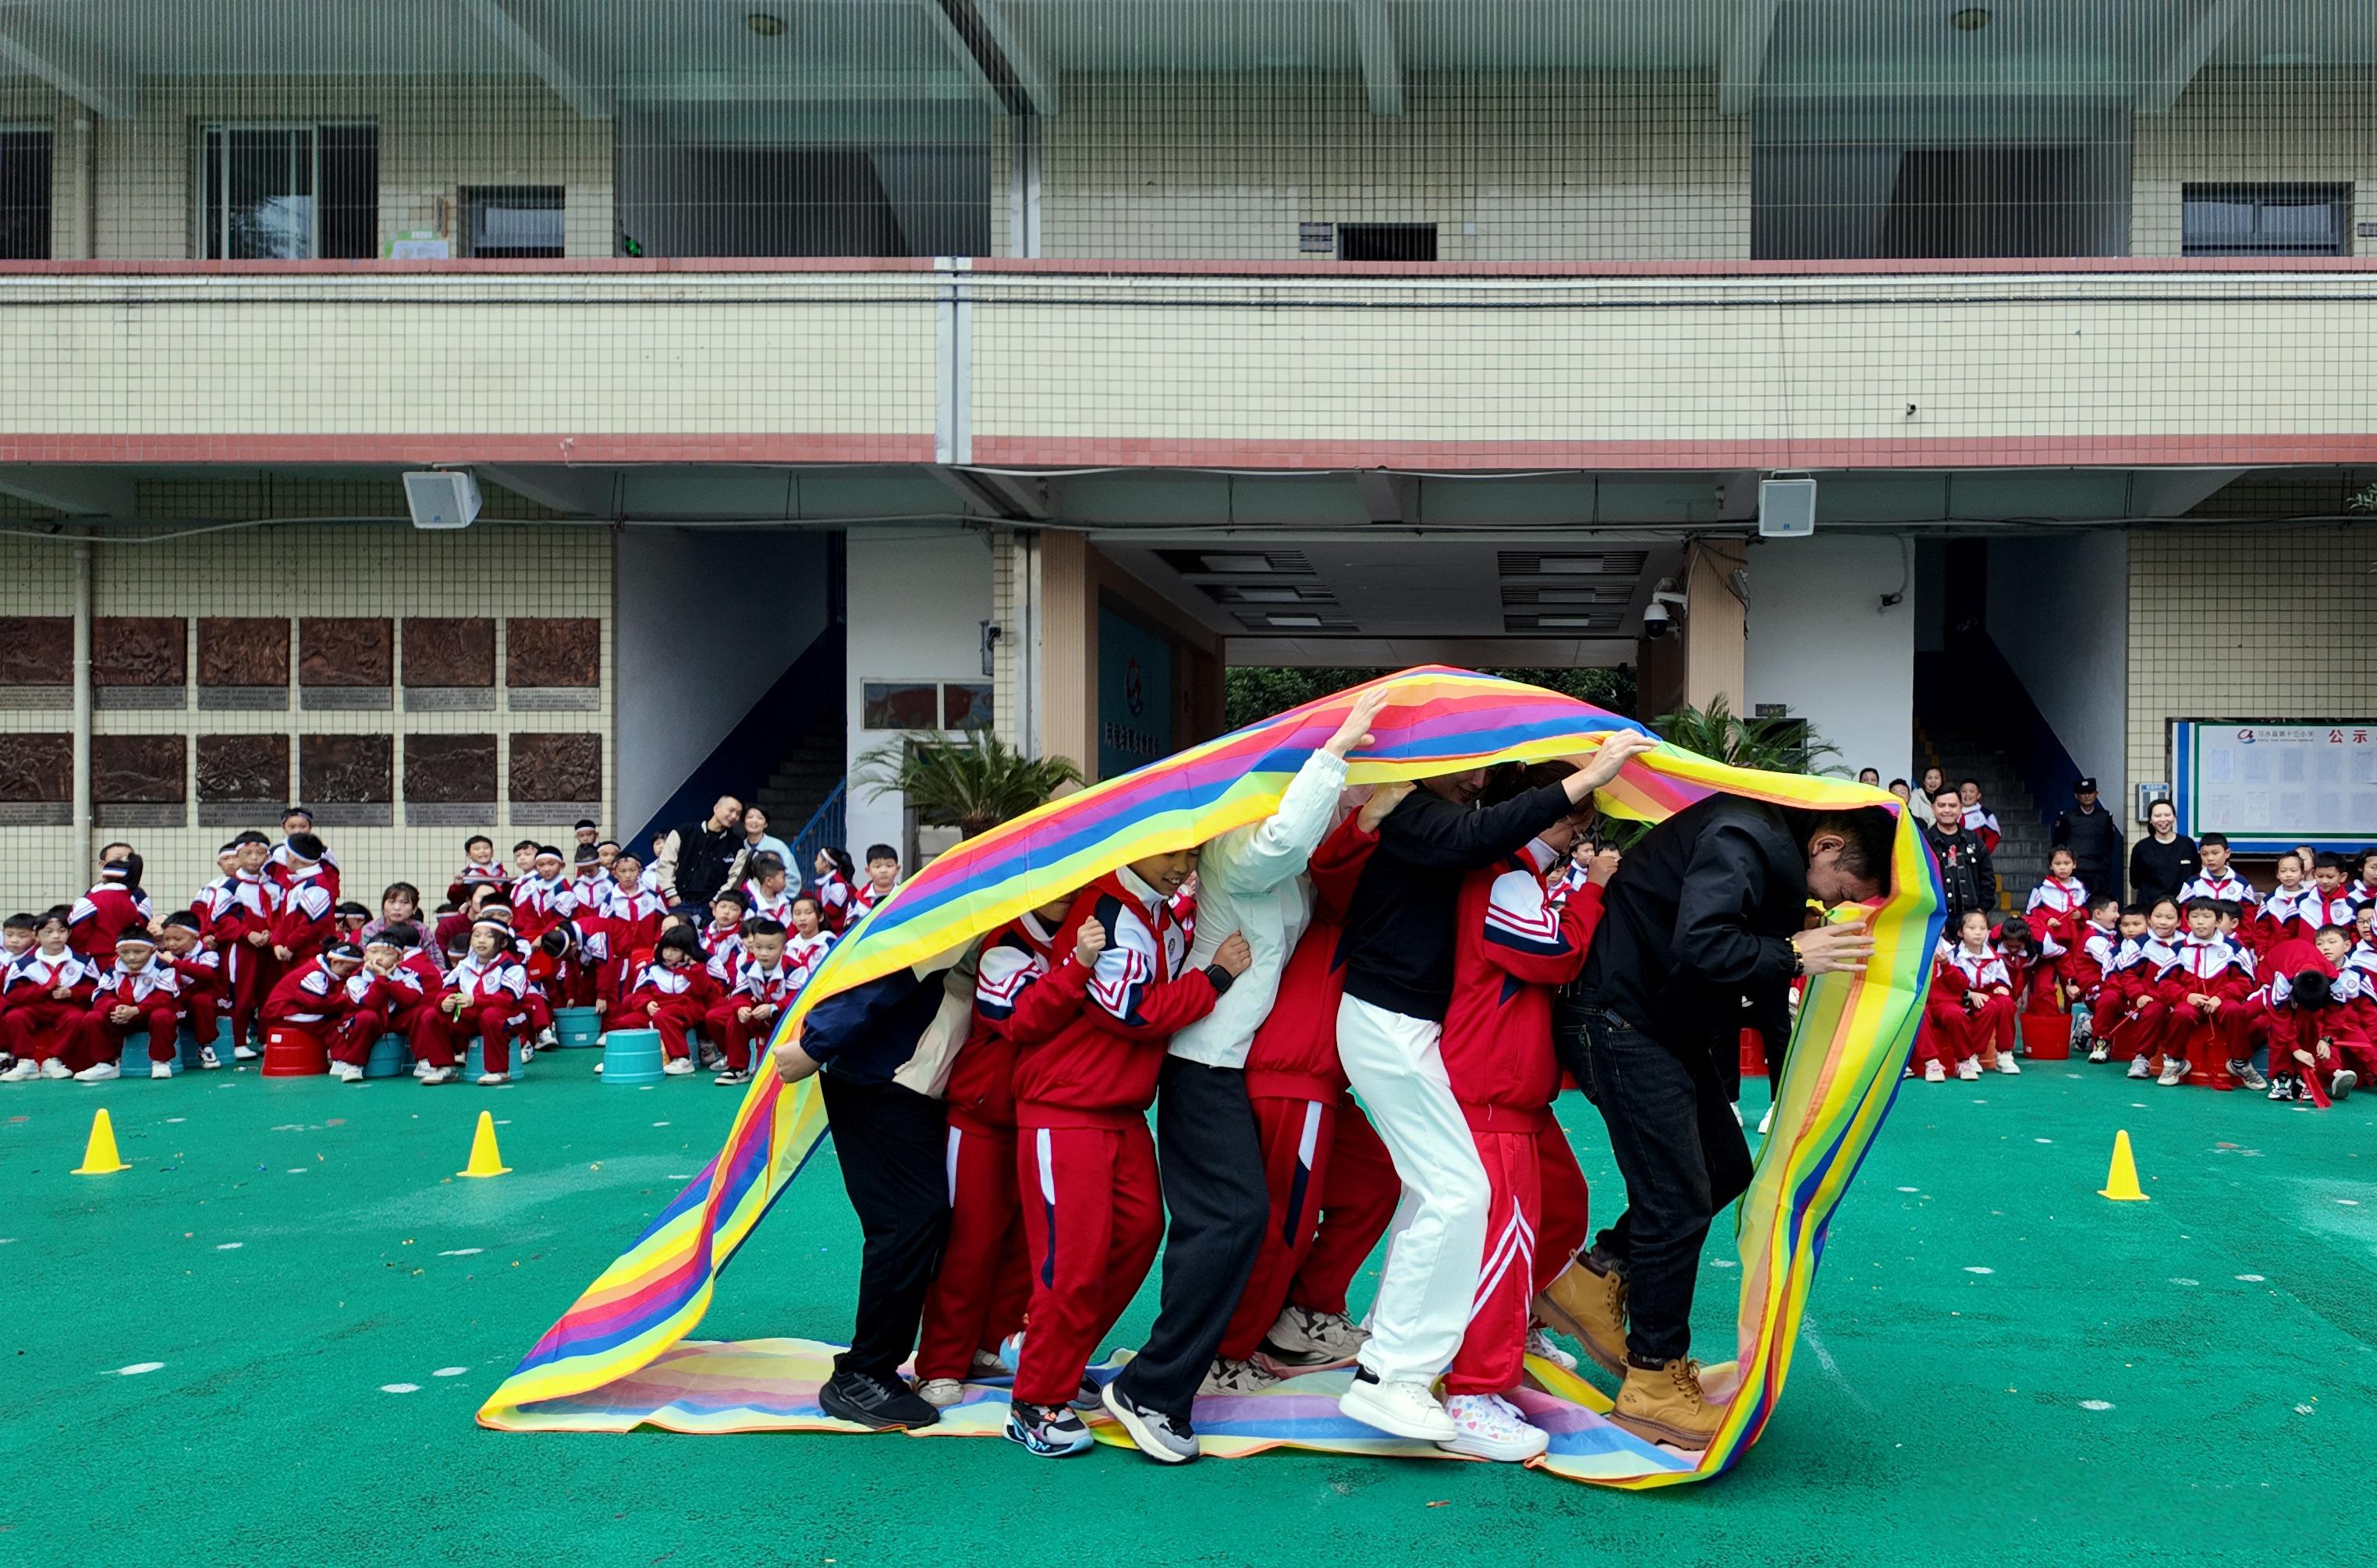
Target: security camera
<point>1656,621</point>
<point>1667,601</point>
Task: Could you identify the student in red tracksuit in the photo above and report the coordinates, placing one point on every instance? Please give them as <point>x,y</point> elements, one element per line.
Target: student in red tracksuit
<point>114,904</point>
<point>2058,915</point>
<point>809,939</point>
<point>2210,982</point>
<point>2218,880</point>
<point>1085,1162</point>
<point>240,922</point>
<point>200,970</point>
<point>321,997</point>
<point>760,985</point>
<point>2016,943</point>
<point>672,994</point>
<point>283,862</point>
<point>1970,993</point>
<point>834,873</point>
<point>2313,1028</point>
<point>1024,991</point>
<point>629,922</point>
<point>483,997</point>
<point>1292,1315</point>
<point>2278,918</point>
<point>1515,943</point>
<point>722,940</point>
<point>308,918</point>
<point>2154,992</point>
<point>139,993</point>
<point>2084,963</point>
<point>44,994</point>
<point>545,901</point>
<point>2113,958</point>
<point>479,868</point>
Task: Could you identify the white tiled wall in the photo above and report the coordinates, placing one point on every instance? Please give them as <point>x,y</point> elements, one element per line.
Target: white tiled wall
<point>2292,125</point>
<point>360,570</point>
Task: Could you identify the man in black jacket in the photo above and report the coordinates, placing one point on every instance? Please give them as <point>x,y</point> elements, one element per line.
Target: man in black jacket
<point>1399,942</point>
<point>1967,880</point>
<point>1704,916</point>
<point>694,863</point>
<point>2089,831</point>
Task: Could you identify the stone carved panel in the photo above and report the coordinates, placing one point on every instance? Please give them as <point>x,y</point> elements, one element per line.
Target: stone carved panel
<point>251,650</point>
<point>448,651</point>
<point>138,768</point>
<point>345,650</point>
<point>343,770</point>
<point>243,770</point>
<point>36,768</point>
<point>36,650</point>
<point>450,769</point>
<point>546,651</point>
<point>556,767</point>
<point>147,651</point>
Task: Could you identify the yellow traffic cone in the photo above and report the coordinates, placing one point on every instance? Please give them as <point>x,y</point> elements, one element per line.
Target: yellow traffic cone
<point>486,1158</point>
<point>2121,1181</point>
<point>99,1156</point>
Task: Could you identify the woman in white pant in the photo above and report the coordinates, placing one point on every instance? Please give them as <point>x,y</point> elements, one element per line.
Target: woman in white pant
<point>1398,983</point>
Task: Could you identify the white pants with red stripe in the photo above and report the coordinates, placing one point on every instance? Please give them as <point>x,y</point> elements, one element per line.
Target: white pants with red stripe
<point>1438,1237</point>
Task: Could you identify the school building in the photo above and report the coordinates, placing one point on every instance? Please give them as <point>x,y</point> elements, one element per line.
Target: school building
<point>829,371</point>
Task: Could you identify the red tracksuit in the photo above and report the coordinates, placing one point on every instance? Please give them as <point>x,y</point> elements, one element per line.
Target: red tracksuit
<point>203,990</point>
<point>629,922</point>
<point>2139,1024</point>
<point>1025,992</point>
<point>307,922</point>
<point>1956,1030</point>
<point>101,915</point>
<point>1324,1215</point>
<point>671,1000</point>
<point>2090,959</point>
<point>153,992</point>
<point>1514,942</point>
<point>539,907</point>
<point>492,990</point>
<point>805,954</point>
<point>2032,974</point>
<point>278,872</point>
<point>834,899</point>
<point>2227,886</point>
<point>1093,1205</point>
<point>35,1023</point>
<point>2215,969</point>
<point>345,1016</point>
<point>471,876</point>
<point>776,906</point>
<point>748,985</point>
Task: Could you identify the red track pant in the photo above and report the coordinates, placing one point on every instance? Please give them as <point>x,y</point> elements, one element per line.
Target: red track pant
<point>40,1029</point>
<point>203,1012</point>
<point>254,970</point>
<point>1956,1033</point>
<point>2221,1038</point>
<point>1567,1207</point>
<point>676,1015</point>
<point>440,1040</point>
<point>351,1038</point>
<point>736,1037</point>
<point>1093,1218</point>
<point>1358,1194</point>
<point>979,1295</point>
<point>1298,1137</point>
<point>99,1040</point>
<point>1493,1351</point>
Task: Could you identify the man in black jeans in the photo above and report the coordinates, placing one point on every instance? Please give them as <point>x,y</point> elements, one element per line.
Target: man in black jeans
<point>882,1045</point>
<point>1704,914</point>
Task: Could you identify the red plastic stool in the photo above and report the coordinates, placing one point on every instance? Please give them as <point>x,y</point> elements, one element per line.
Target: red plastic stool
<point>2047,1037</point>
<point>293,1052</point>
<point>2213,1074</point>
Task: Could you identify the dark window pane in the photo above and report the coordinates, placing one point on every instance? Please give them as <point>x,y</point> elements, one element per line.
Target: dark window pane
<point>24,196</point>
<point>890,706</point>
<point>350,191</point>
<point>269,180</point>
<point>512,220</point>
<point>965,705</point>
<point>1386,242</point>
<point>2273,220</point>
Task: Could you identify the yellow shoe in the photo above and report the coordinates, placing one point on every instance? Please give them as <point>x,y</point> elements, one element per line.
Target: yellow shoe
<point>1668,1404</point>
<point>1588,1304</point>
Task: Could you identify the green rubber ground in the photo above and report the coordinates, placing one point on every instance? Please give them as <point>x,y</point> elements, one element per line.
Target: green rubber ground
<point>1998,1365</point>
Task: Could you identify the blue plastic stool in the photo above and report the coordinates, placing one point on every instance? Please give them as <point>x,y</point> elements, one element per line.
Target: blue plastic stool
<point>390,1057</point>
<point>474,1061</point>
<point>576,1028</point>
<point>632,1056</point>
<point>134,1062</point>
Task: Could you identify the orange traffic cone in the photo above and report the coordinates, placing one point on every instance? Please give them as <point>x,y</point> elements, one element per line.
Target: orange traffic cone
<point>99,1156</point>
<point>486,1159</point>
<point>2121,1181</point>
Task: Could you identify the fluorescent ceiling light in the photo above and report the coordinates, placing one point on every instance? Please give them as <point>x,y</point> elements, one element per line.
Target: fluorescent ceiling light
<point>1266,595</point>
<point>1570,565</point>
<point>1236,563</point>
<point>1295,620</point>
<point>1570,623</point>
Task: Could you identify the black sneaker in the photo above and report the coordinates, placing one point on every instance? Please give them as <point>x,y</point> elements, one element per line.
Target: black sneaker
<point>1050,1433</point>
<point>1159,1437</point>
<point>730,1077</point>
<point>2282,1087</point>
<point>874,1403</point>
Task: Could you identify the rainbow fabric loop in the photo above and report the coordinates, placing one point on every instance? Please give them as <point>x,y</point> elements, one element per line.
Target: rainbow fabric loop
<point>1852,1036</point>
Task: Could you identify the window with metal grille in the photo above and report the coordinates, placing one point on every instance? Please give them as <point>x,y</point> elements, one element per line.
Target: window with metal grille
<point>284,192</point>
<point>2265,220</point>
<point>1386,242</point>
<point>24,194</point>
<point>512,220</point>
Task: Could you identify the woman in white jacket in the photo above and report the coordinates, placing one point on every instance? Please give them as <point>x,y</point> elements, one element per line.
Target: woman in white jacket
<point>1209,1149</point>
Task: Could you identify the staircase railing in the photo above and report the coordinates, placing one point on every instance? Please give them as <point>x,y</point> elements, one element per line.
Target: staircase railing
<point>827,828</point>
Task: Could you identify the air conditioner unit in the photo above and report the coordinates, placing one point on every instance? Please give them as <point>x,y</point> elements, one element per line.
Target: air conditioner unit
<point>441,498</point>
<point>1787,506</point>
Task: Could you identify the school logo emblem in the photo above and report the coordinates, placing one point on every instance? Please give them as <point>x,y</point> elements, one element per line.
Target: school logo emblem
<point>1134,688</point>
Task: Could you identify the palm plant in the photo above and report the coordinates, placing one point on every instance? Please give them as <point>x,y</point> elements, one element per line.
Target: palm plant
<point>1774,744</point>
<point>970,784</point>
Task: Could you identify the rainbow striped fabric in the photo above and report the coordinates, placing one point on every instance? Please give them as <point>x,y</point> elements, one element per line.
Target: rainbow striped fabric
<point>1851,1037</point>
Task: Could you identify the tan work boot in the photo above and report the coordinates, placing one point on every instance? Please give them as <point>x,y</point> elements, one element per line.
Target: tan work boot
<point>1668,1404</point>
<point>1588,1303</point>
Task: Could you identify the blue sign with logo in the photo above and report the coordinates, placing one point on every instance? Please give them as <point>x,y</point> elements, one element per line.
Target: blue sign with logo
<point>1134,696</point>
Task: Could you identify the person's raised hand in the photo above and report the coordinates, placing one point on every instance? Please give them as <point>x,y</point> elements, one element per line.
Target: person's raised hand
<point>1383,799</point>
<point>1602,766</point>
<point>1602,866</point>
<point>1233,957</point>
<point>1356,730</point>
<point>1842,948</point>
<point>1088,942</point>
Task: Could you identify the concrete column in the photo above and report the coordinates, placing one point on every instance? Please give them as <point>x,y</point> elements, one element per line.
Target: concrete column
<point>1066,662</point>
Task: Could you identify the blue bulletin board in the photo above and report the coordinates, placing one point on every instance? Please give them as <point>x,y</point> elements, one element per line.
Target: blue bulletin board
<point>2273,783</point>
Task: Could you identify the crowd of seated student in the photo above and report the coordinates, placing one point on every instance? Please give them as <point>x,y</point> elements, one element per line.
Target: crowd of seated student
<point>2209,977</point>
<point>270,941</point>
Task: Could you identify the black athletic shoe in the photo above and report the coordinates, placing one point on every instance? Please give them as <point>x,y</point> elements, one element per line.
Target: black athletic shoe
<point>874,1403</point>
<point>1052,1432</point>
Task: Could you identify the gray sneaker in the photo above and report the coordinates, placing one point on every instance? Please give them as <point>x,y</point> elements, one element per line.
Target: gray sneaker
<point>1157,1434</point>
<point>2246,1073</point>
<point>1304,1338</point>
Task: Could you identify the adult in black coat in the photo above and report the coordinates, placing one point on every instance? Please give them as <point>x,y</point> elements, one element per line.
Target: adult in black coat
<point>2165,861</point>
<point>1967,880</point>
<point>2092,835</point>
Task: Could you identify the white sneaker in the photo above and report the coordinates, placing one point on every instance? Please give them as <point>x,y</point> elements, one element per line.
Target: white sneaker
<point>207,1060</point>
<point>53,1068</point>
<point>941,1393</point>
<point>2140,1067</point>
<point>678,1066</point>
<point>2173,1072</point>
<point>547,1040</point>
<point>106,1072</point>
<point>242,1053</point>
<point>421,1070</point>
<point>1969,1070</point>
<point>1933,1072</point>
<point>489,1079</point>
<point>527,1053</point>
<point>346,1072</point>
<point>2100,1052</point>
<point>1737,1113</point>
<point>986,1364</point>
<point>2006,1064</point>
<point>160,1069</point>
<point>2343,1084</point>
<point>1236,1377</point>
<point>1540,1344</point>
<point>24,1071</point>
<point>438,1075</point>
<point>1402,1408</point>
<point>1766,1122</point>
<point>1488,1427</point>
